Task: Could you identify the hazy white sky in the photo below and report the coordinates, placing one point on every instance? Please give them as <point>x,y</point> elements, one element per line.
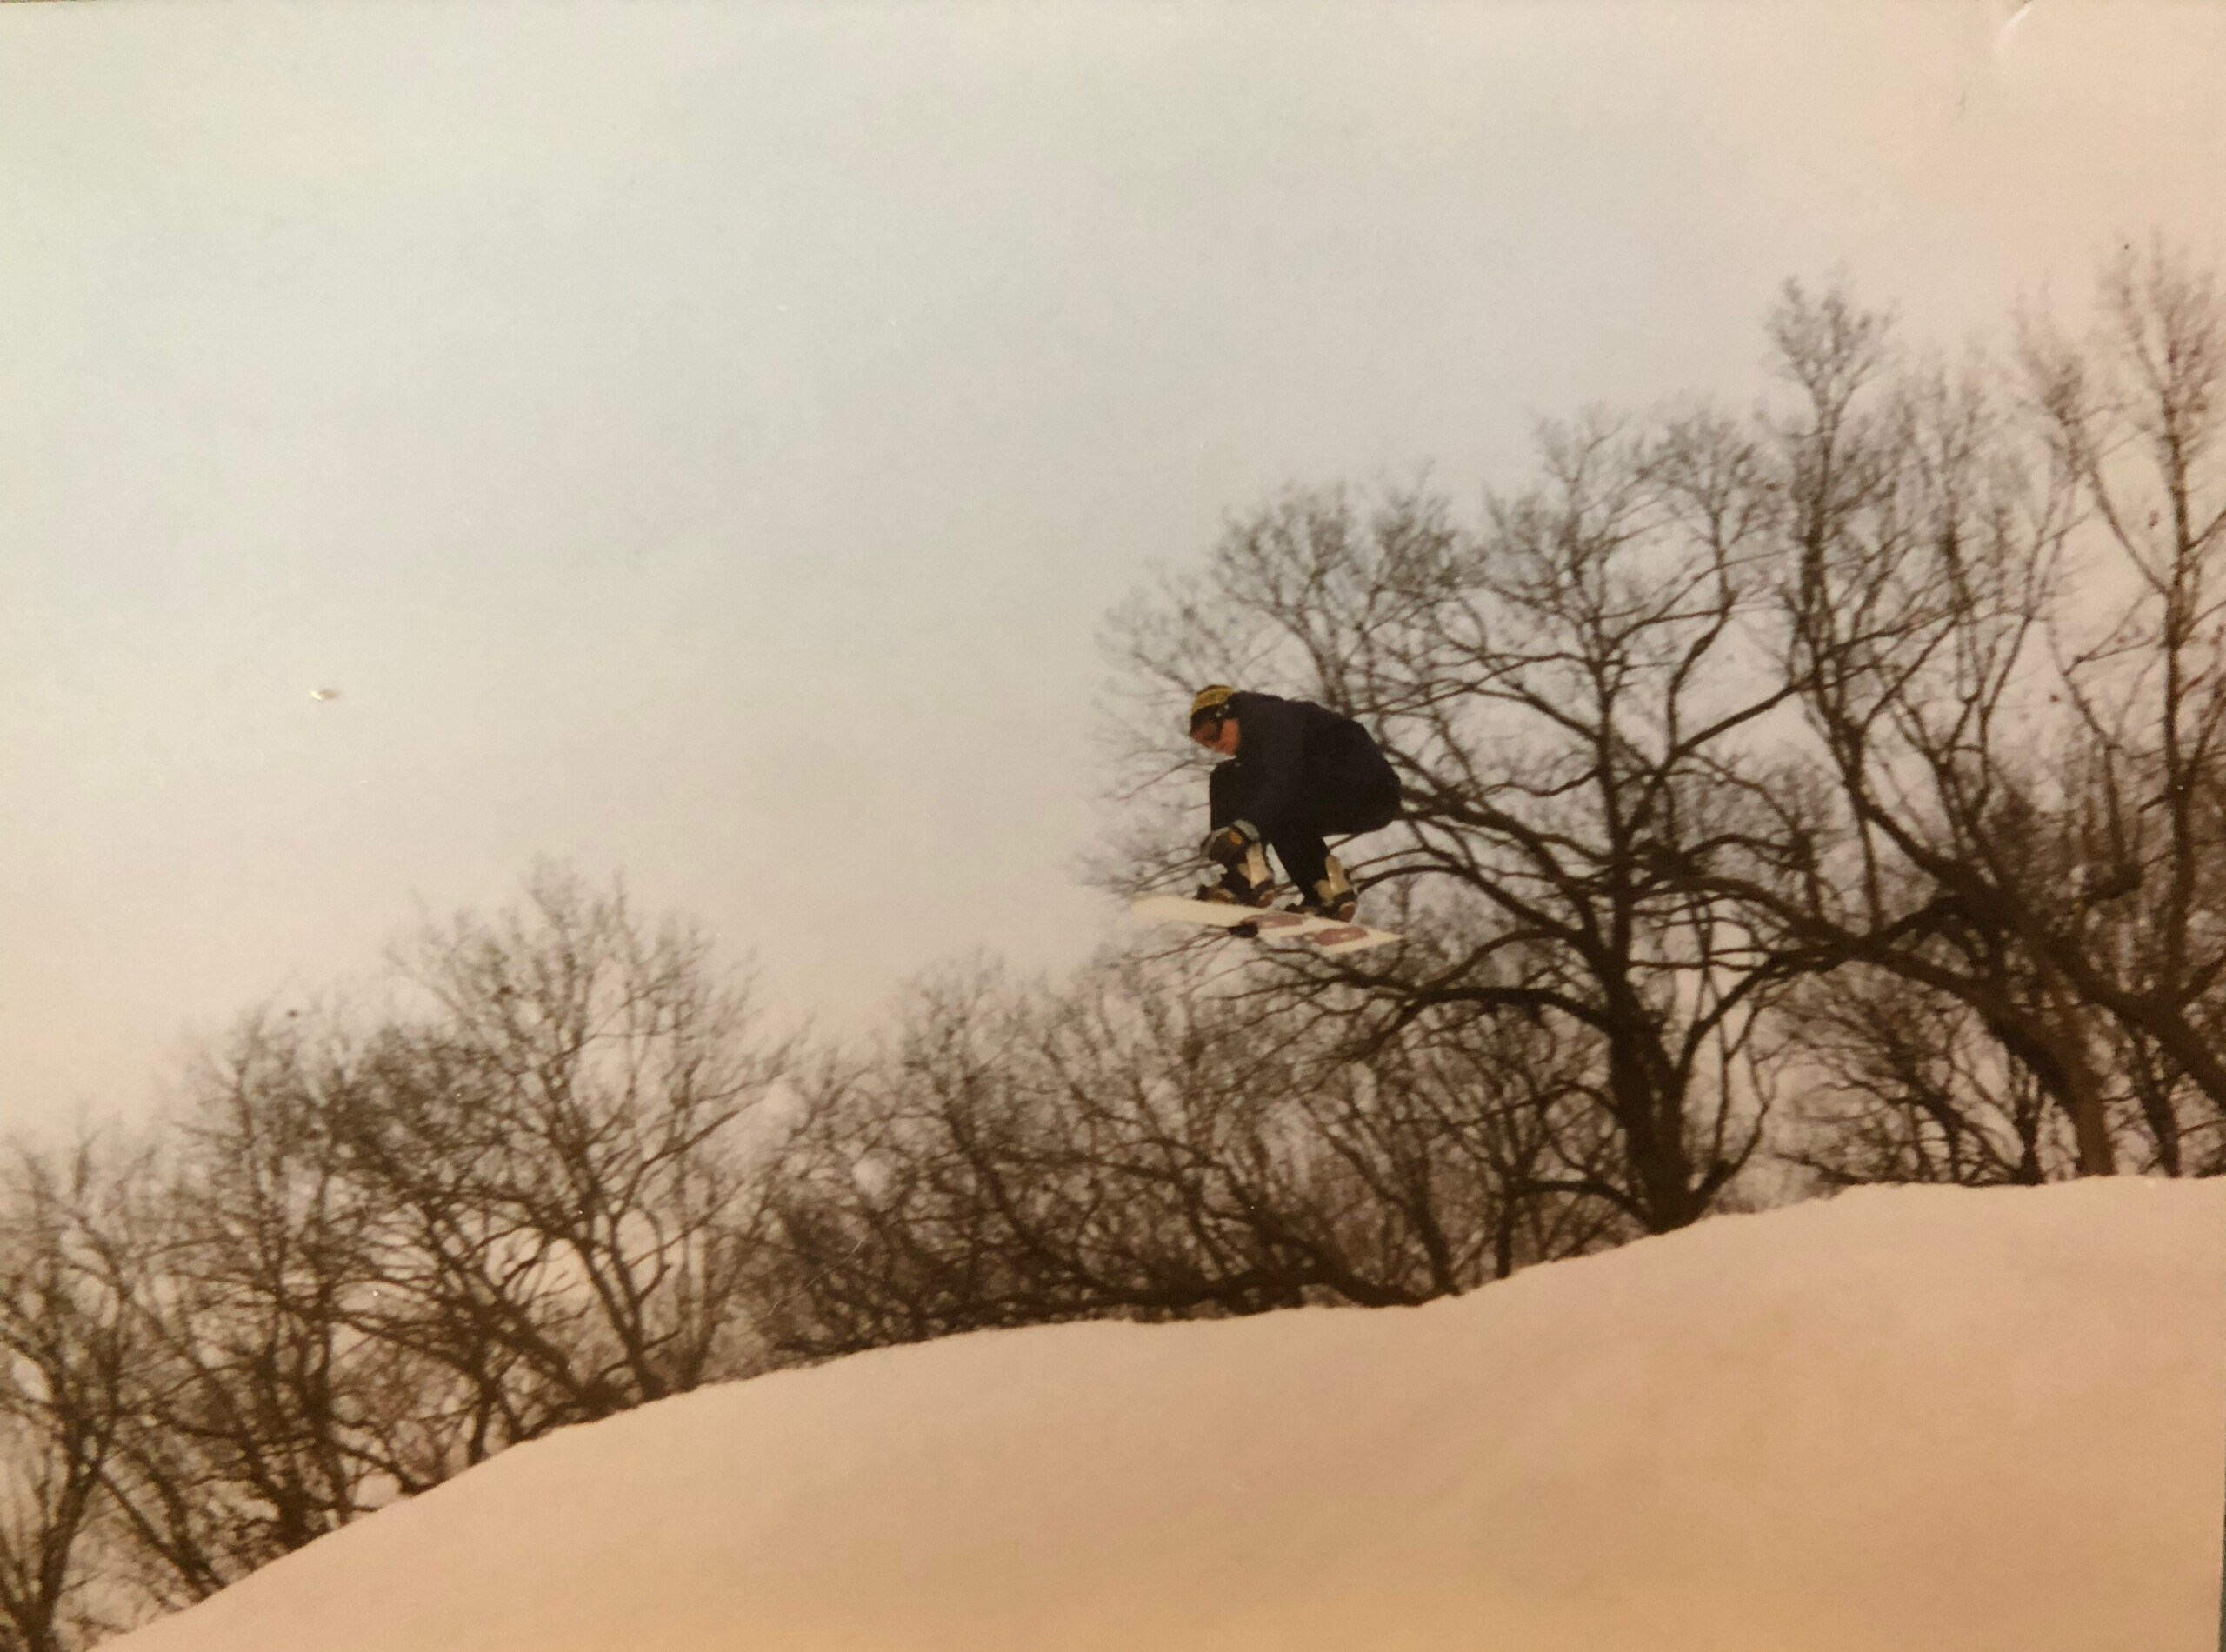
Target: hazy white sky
<point>702,440</point>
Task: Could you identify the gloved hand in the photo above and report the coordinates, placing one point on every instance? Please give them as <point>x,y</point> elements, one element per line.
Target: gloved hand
<point>1228,845</point>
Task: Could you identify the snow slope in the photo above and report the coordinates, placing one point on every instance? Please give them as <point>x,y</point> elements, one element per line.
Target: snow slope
<point>1918,1419</point>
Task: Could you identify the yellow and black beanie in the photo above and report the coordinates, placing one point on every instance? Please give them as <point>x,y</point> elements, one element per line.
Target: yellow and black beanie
<point>1210,703</point>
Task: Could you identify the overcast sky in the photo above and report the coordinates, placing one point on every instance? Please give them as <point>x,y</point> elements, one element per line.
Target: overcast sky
<point>702,441</point>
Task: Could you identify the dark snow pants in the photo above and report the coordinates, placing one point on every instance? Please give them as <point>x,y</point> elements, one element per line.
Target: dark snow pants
<point>1348,788</point>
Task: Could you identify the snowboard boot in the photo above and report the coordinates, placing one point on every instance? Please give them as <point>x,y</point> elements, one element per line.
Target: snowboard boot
<point>1332,896</point>
<point>1247,882</point>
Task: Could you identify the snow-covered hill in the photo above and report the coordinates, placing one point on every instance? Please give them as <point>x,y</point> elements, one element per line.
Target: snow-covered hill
<point>1923,1419</point>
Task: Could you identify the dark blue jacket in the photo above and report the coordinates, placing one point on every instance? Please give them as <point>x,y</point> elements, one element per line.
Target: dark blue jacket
<point>1299,764</point>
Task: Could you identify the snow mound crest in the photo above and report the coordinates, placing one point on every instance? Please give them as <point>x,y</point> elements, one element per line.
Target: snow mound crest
<point>1916,1418</point>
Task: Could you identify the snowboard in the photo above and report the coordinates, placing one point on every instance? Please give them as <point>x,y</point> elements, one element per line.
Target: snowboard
<point>1264,923</point>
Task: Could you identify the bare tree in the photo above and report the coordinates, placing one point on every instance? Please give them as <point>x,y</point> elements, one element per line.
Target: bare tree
<point>255,1403</point>
<point>1573,700</point>
<point>1925,566</point>
<point>999,1162</point>
<point>1993,608</point>
<point>1147,1142</point>
<point>1900,1083</point>
<point>564,1221</point>
<point>389,1247</point>
<point>2136,425</point>
<point>67,1348</point>
<point>1986,793</point>
<point>1469,1129</point>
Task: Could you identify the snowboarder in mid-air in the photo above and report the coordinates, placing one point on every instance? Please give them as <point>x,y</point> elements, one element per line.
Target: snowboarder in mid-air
<point>1297,772</point>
